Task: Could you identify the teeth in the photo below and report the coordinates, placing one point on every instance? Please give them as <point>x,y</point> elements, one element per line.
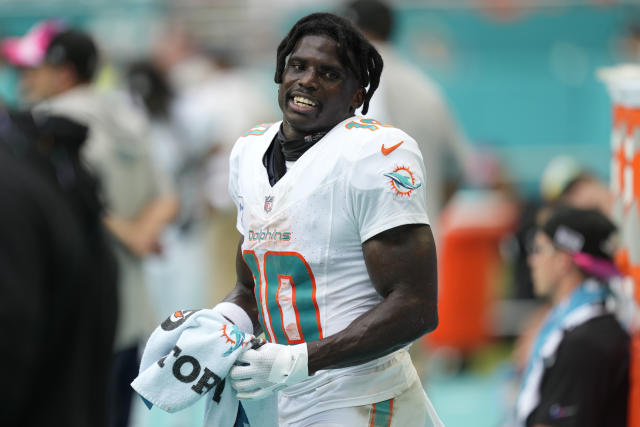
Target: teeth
<point>303,101</point>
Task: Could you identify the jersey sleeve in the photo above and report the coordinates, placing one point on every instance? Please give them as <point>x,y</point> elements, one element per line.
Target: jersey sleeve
<point>387,186</point>
<point>234,173</point>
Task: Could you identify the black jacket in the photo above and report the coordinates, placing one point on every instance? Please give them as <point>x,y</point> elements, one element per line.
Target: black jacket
<point>58,302</point>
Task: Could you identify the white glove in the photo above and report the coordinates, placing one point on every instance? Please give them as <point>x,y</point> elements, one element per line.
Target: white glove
<point>260,372</point>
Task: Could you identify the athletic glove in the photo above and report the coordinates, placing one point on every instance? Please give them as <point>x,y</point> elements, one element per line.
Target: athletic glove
<point>260,372</point>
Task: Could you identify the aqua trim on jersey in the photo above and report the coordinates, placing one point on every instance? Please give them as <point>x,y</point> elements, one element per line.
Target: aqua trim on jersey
<point>252,262</point>
<point>381,413</point>
<point>287,306</point>
<point>258,129</point>
<point>294,315</point>
<point>370,124</point>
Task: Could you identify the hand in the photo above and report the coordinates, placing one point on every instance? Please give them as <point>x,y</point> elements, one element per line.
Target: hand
<point>269,368</point>
<point>134,236</point>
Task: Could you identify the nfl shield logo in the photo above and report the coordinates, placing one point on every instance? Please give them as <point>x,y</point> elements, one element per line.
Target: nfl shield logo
<point>268,203</point>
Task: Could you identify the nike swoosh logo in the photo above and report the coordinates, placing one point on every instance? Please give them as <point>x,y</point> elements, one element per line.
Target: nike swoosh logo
<point>387,151</point>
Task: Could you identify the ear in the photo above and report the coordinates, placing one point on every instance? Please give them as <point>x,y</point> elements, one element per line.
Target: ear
<point>357,99</point>
<point>566,260</point>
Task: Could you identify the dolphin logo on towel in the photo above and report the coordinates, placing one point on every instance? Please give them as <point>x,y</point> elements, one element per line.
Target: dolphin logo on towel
<point>234,336</point>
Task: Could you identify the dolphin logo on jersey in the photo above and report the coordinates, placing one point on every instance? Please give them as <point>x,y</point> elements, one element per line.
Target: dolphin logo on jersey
<point>234,336</point>
<point>403,181</point>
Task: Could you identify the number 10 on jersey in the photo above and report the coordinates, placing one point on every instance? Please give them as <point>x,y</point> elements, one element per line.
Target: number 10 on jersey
<point>286,297</point>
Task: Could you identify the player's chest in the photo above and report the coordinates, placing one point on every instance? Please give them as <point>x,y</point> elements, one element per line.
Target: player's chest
<point>303,208</point>
<point>283,215</point>
<point>307,184</point>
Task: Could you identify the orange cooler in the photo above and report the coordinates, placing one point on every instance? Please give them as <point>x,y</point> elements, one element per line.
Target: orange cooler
<point>472,226</point>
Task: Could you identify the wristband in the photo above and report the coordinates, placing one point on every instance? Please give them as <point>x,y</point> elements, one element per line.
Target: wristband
<point>235,314</point>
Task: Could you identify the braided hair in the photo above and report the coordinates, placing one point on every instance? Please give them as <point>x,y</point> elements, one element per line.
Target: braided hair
<point>355,51</point>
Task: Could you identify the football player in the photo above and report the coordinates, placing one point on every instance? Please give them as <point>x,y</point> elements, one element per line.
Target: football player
<point>337,265</point>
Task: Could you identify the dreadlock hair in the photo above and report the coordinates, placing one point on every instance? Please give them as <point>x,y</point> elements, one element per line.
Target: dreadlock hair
<point>359,55</point>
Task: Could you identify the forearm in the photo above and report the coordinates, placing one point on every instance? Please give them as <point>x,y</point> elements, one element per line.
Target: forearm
<point>247,302</point>
<point>242,294</point>
<point>131,236</point>
<point>157,215</point>
<point>140,235</point>
<point>119,228</point>
<point>403,269</point>
<point>397,321</point>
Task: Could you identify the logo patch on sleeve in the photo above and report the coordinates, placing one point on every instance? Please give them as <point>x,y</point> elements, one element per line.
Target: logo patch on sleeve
<point>557,412</point>
<point>403,181</point>
<point>386,151</point>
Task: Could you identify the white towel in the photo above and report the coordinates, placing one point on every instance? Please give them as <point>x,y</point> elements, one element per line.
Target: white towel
<point>189,356</point>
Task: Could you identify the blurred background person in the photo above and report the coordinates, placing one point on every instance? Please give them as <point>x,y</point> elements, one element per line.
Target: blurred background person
<point>26,53</point>
<point>58,278</point>
<point>234,103</point>
<point>409,99</point>
<point>178,276</point>
<point>216,102</point>
<point>578,370</point>
<point>565,180</point>
<point>138,199</point>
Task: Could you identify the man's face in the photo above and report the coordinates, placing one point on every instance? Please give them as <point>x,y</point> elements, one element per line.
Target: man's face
<point>544,263</point>
<point>39,83</point>
<point>317,90</point>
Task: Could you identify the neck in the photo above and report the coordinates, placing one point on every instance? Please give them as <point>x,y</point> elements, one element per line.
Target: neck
<point>292,149</point>
<point>567,285</point>
<point>66,87</point>
<point>290,132</point>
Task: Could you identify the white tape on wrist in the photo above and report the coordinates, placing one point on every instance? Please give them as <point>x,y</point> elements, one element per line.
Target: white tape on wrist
<point>236,314</point>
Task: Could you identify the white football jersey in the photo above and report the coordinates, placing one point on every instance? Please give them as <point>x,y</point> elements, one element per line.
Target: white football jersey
<point>303,243</point>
